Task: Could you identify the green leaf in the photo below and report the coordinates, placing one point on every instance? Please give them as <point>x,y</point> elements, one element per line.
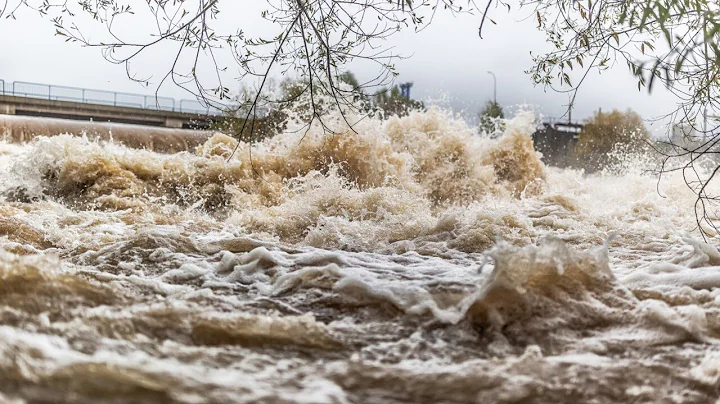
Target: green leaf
<point>666,32</point>
<point>678,64</point>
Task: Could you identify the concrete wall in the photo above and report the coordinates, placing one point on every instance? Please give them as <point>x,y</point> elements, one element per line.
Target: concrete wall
<point>18,129</point>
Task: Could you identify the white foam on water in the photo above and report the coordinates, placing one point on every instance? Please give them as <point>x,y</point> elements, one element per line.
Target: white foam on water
<point>408,261</point>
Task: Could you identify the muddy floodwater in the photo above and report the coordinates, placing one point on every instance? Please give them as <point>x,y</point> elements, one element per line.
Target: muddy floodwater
<point>407,261</point>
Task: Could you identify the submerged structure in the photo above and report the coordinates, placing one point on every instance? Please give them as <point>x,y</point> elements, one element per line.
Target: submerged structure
<point>556,141</point>
<point>21,129</point>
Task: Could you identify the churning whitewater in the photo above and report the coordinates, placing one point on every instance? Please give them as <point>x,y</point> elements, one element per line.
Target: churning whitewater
<point>402,261</point>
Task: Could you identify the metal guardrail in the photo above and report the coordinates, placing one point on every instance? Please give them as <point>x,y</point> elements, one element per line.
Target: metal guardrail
<point>195,107</point>
<point>102,97</point>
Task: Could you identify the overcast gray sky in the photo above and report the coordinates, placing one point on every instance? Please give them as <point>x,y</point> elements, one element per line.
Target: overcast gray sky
<point>448,60</point>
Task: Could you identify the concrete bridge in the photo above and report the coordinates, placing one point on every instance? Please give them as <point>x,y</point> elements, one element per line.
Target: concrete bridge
<point>43,100</point>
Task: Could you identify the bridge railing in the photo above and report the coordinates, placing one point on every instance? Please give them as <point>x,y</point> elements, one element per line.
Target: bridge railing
<point>114,98</point>
<point>195,107</point>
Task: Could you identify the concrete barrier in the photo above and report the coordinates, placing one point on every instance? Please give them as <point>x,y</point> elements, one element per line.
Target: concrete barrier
<point>19,129</point>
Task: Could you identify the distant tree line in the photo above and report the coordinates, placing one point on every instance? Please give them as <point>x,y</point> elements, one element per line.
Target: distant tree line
<point>277,107</point>
<point>605,138</point>
<point>603,141</point>
<point>608,136</point>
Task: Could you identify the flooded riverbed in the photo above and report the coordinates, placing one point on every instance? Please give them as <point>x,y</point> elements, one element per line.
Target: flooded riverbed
<point>405,261</point>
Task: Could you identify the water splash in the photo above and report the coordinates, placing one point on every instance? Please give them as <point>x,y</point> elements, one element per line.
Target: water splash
<point>405,261</point>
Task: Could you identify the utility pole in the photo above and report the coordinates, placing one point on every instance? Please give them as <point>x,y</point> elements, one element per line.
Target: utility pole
<point>494,86</point>
<point>707,71</point>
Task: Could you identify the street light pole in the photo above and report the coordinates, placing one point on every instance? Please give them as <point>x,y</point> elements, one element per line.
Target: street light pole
<point>494,86</point>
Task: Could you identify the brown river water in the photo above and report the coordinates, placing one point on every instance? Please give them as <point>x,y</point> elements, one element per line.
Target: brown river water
<point>406,262</point>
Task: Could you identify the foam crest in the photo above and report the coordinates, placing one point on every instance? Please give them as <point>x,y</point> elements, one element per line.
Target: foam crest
<point>428,153</point>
